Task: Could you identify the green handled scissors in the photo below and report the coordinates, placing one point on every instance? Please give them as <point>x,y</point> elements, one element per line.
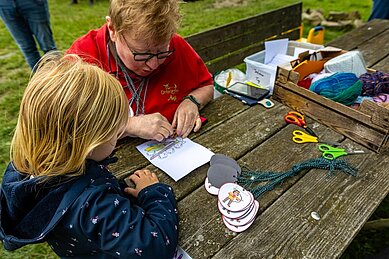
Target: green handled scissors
<point>302,137</point>
<point>331,153</point>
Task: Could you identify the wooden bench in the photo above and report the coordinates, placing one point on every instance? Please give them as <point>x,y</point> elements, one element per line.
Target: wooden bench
<point>226,46</point>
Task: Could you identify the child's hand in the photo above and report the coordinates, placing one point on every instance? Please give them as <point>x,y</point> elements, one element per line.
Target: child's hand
<point>142,179</point>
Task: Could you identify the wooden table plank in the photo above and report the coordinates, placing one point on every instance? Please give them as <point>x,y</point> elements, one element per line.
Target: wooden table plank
<point>382,65</point>
<point>354,38</point>
<point>202,238</point>
<point>369,48</point>
<point>286,229</point>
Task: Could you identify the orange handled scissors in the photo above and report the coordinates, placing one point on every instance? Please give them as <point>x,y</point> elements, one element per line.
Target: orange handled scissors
<point>299,120</point>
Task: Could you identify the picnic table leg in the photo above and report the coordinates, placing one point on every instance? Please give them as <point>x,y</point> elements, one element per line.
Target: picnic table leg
<point>376,224</point>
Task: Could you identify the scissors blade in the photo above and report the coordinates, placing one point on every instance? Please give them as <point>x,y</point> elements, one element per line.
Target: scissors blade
<point>354,152</point>
<point>310,131</point>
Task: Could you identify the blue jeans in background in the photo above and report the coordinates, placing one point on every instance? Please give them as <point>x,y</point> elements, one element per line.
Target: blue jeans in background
<point>26,19</point>
<point>380,10</point>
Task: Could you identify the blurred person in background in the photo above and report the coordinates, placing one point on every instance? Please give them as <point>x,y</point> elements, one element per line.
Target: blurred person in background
<point>27,21</point>
<point>380,10</point>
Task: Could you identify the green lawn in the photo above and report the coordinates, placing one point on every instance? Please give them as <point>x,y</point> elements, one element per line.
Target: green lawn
<point>70,22</point>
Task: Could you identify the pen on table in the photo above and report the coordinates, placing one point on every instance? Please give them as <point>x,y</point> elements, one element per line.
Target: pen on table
<point>163,150</point>
<point>254,85</point>
<point>229,77</point>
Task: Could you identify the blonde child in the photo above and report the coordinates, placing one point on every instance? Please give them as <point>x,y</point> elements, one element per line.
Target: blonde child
<point>58,189</point>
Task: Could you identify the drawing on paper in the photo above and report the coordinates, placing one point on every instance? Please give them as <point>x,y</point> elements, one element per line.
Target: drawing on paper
<point>233,196</point>
<point>163,149</point>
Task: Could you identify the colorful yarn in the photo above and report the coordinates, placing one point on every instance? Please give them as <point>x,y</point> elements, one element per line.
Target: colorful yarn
<point>375,83</point>
<point>381,98</point>
<point>339,87</point>
<point>248,178</point>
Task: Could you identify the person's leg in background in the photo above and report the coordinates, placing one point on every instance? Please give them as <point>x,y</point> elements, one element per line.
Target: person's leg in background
<point>38,18</point>
<point>20,31</point>
<point>380,10</point>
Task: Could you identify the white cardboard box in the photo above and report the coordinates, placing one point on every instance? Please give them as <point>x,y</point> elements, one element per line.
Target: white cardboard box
<point>264,75</point>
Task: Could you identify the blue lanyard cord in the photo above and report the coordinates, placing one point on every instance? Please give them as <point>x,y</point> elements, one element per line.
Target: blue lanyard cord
<point>136,92</point>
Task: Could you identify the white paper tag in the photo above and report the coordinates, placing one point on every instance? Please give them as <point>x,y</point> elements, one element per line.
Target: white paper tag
<point>234,198</point>
<point>211,189</point>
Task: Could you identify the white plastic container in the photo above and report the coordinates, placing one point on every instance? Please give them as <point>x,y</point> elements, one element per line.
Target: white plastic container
<point>264,75</point>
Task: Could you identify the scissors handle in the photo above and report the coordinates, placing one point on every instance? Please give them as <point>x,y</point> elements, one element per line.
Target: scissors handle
<point>330,152</point>
<point>297,114</point>
<point>333,155</point>
<point>302,137</point>
<point>293,120</point>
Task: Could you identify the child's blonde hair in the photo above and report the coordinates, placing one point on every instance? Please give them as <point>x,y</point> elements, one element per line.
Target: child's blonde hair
<point>68,108</point>
<point>153,21</point>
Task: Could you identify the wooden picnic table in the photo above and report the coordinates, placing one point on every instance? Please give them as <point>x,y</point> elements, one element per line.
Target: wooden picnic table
<point>260,139</point>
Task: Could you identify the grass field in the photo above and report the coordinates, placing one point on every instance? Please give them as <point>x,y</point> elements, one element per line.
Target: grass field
<point>70,22</point>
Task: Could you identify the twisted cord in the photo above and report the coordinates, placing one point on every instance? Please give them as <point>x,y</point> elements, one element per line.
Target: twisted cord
<point>248,178</point>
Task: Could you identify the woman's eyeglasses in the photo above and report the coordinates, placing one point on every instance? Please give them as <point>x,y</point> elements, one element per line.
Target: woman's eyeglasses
<point>146,56</point>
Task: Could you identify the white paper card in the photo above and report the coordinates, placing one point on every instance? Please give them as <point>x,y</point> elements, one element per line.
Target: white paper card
<point>262,75</point>
<point>176,157</point>
<point>274,47</point>
<point>280,59</point>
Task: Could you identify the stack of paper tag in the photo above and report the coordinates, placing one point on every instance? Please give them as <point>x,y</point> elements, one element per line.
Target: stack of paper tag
<point>237,206</point>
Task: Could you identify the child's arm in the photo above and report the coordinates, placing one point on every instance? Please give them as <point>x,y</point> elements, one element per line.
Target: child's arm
<point>116,226</point>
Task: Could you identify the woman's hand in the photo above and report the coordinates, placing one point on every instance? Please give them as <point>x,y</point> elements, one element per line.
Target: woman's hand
<point>141,179</point>
<point>150,126</point>
<point>186,118</point>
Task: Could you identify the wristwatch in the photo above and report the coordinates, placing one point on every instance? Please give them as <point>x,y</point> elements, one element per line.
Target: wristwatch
<point>193,100</point>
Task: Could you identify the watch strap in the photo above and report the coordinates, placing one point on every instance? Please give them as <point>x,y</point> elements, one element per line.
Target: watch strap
<point>193,100</point>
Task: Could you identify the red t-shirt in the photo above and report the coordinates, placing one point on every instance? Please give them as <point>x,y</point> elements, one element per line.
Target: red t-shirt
<point>180,74</point>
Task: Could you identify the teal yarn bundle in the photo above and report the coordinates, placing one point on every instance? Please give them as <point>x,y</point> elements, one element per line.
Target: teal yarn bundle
<point>248,178</point>
<point>339,87</point>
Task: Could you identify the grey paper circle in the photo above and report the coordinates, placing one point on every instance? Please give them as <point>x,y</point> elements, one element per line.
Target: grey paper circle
<point>215,157</point>
<point>225,160</point>
<point>219,174</point>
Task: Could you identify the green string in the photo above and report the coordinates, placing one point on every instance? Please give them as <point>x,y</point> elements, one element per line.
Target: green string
<point>248,178</point>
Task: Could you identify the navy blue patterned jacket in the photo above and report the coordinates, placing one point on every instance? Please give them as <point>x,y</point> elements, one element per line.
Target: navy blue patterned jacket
<point>87,217</point>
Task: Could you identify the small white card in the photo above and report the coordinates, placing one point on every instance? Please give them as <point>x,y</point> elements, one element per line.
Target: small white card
<point>274,47</point>
<point>176,157</point>
<point>234,198</point>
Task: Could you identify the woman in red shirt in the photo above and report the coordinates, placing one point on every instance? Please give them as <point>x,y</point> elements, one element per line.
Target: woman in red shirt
<point>165,80</point>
